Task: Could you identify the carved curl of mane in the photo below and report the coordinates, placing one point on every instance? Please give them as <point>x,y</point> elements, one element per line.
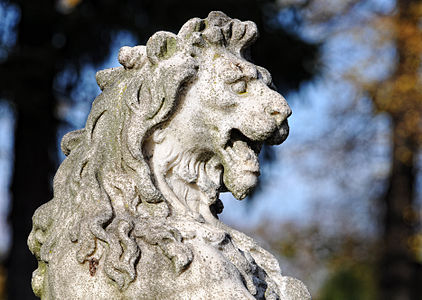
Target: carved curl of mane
<point>105,167</point>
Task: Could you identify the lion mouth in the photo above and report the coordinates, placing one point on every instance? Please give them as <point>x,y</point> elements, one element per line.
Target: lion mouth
<point>239,149</point>
<point>239,143</point>
<point>239,158</point>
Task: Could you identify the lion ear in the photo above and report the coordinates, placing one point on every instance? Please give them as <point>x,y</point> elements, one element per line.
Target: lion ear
<point>162,45</point>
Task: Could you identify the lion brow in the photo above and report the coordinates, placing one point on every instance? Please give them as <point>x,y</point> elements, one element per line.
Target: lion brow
<point>241,71</point>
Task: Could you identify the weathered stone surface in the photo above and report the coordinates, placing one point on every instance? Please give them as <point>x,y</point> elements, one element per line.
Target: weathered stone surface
<point>134,213</point>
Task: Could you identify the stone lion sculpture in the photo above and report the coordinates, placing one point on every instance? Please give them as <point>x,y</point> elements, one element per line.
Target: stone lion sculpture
<point>134,213</point>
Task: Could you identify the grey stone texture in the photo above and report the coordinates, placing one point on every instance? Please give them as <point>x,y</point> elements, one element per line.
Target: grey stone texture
<point>136,201</point>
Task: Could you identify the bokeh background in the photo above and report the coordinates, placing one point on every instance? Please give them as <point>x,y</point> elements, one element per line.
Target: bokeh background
<point>339,202</point>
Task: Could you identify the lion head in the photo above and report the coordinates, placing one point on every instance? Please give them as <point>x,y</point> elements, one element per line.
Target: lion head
<point>230,107</point>
<point>183,119</point>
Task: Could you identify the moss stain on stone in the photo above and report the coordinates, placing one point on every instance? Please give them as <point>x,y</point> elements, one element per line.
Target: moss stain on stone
<point>169,48</point>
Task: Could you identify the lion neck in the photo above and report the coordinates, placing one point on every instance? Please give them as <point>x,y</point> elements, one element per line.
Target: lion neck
<point>188,178</point>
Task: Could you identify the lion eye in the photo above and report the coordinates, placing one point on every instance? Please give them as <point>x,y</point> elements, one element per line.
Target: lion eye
<point>239,87</point>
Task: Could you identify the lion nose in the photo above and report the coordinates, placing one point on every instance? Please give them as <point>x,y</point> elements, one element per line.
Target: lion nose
<point>279,112</point>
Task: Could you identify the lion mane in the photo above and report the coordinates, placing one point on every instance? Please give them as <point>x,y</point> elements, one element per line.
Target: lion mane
<point>106,168</point>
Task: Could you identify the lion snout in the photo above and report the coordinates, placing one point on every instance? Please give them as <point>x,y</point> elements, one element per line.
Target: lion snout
<point>276,107</point>
<point>279,115</point>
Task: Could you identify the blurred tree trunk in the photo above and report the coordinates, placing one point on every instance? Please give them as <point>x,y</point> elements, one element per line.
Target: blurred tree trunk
<point>32,68</point>
<point>34,163</point>
<point>399,272</point>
